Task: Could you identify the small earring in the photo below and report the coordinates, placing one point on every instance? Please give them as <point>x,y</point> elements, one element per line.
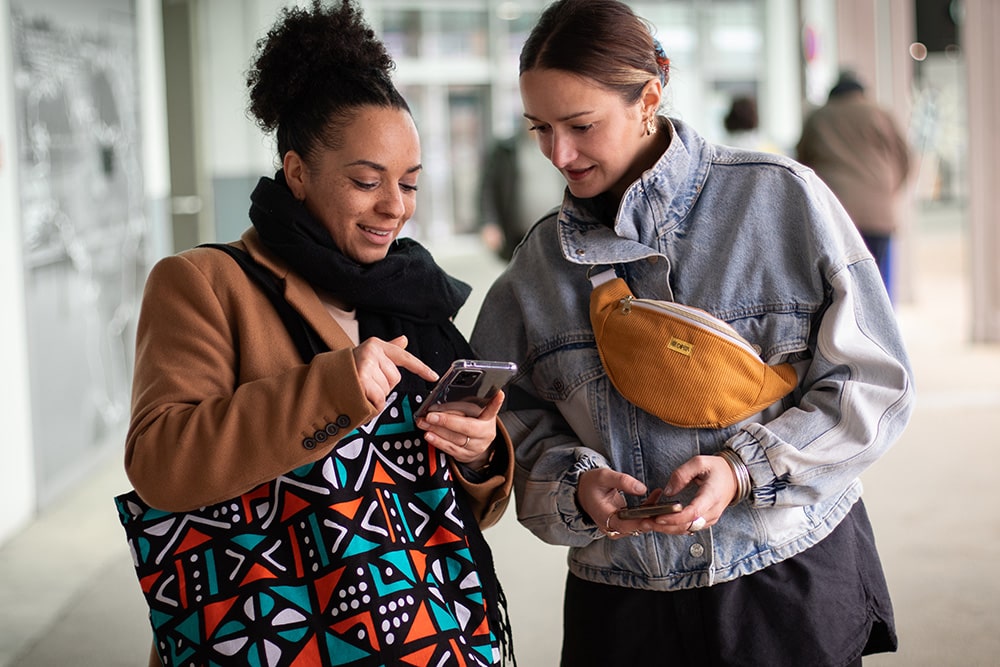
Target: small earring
<point>650,126</point>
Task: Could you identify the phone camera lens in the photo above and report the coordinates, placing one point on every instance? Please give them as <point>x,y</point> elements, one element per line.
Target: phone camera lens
<point>467,378</point>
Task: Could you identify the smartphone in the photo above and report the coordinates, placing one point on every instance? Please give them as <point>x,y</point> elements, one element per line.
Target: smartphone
<point>467,387</point>
<point>649,511</point>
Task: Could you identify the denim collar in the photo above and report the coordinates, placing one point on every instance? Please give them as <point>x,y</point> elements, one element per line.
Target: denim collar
<point>656,204</point>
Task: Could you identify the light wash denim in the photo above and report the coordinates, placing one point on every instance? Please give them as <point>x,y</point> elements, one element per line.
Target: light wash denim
<point>757,240</point>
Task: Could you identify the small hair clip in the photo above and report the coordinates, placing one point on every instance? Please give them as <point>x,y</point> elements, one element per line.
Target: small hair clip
<point>662,61</point>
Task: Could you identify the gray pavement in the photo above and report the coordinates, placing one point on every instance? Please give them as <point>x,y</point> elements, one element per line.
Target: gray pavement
<point>68,595</point>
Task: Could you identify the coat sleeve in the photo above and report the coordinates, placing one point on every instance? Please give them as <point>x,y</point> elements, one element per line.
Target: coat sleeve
<point>491,495</point>
<point>218,408</point>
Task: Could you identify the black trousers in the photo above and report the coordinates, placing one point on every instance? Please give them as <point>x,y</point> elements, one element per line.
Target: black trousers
<point>825,607</point>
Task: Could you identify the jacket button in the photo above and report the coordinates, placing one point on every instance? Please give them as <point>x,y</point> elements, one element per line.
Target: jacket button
<point>332,429</point>
<point>309,443</point>
<point>320,436</point>
<point>697,550</point>
<point>343,421</point>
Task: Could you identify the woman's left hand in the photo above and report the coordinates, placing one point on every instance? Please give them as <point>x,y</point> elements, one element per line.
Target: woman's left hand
<point>717,486</point>
<point>466,439</point>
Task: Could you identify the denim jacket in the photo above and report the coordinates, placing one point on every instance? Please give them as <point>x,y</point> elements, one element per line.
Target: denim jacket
<point>757,240</point>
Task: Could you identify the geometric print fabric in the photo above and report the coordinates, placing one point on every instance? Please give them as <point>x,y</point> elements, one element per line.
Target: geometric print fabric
<point>358,559</point>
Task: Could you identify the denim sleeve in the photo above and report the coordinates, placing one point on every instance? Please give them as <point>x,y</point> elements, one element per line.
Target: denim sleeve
<point>856,394</point>
<point>549,456</point>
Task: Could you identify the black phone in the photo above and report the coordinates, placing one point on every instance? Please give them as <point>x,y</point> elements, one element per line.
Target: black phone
<point>649,511</point>
<point>467,386</point>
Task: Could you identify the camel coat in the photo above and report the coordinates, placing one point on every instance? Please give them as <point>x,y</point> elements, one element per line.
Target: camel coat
<point>221,401</point>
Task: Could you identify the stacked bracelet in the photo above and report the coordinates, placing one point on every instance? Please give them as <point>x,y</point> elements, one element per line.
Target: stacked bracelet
<point>743,484</point>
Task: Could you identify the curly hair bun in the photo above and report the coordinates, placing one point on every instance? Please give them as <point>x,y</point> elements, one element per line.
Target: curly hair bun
<point>315,60</point>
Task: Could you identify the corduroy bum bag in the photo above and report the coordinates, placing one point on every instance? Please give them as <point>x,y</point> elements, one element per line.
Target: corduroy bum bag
<point>680,363</point>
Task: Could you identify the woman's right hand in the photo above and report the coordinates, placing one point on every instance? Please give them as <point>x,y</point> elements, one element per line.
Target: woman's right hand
<point>378,364</point>
<point>599,494</point>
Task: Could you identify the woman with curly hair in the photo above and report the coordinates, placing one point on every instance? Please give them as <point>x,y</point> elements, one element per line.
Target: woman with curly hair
<point>367,518</point>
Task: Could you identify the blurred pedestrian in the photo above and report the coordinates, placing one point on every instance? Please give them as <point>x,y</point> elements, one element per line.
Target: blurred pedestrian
<point>857,148</point>
<point>743,126</point>
<point>519,186</point>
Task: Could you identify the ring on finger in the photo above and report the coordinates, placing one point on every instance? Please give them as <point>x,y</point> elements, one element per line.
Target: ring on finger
<point>608,530</point>
<point>468,439</point>
<point>696,525</point>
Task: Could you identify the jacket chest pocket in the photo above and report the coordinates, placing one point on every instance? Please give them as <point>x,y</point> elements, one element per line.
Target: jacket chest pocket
<point>777,335</point>
<point>557,374</point>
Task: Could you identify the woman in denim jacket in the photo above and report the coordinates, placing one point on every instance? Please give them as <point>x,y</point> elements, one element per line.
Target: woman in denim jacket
<point>772,559</point>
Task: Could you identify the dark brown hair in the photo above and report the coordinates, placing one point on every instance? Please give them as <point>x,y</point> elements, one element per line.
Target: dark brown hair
<point>601,40</point>
<point>314,69</point>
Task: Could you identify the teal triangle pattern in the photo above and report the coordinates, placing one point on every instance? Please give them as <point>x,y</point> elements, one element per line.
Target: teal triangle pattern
<point>445,619</point>
<point>297,595</point>
<point>248,541</point>
<point>433,497</point>
<point>342,653</point>
<point>402,563</point>
<point>359,545</point>
<point>191,628</point>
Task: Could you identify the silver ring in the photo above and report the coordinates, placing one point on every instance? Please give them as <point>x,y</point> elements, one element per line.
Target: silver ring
<point>636,533</point>
<point>697,525</point>
<point>607,527</point>
<point>468,439</point>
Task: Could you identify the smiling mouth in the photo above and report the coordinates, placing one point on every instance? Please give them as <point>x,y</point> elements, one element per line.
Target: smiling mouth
<point>377,232</point>
<point>577,174</point>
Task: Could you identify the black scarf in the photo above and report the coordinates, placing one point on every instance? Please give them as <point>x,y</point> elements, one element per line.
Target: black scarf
<point>406,293</point>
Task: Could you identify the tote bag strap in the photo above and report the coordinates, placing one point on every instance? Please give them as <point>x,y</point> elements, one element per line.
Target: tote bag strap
<point>306,340</point>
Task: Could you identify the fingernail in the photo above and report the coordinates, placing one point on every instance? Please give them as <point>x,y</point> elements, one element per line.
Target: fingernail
<point>433,418</point>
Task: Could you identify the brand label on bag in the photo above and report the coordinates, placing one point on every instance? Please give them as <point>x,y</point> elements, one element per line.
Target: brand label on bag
<point>683,347</point>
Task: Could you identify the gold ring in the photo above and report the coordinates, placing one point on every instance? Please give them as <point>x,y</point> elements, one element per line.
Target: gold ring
<point>607,527</point>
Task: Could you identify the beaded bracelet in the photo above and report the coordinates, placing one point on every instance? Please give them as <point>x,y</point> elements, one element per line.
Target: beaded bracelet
<point>743,484</point>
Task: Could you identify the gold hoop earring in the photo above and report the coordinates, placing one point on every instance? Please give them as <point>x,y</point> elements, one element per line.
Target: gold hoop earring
<point>650,126</point>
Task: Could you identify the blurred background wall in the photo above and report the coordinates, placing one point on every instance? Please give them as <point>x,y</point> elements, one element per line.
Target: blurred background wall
<point>123,137</point>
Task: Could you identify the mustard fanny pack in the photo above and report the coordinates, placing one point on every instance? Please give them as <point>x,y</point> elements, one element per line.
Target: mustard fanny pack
<point>680,363</point>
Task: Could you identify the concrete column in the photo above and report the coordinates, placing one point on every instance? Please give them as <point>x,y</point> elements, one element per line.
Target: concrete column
<point>982,57</point>
<point>17,492</point>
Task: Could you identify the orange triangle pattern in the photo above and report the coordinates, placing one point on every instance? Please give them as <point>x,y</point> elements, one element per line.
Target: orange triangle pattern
<point>419,559</point>
<point>291,505</point>
<point>325,586</point>
<point>146,583</point>
<point>214,613</point>
<point>257,572</point>
<point>380,476</point>
<point>483,629</point>
<point>309,656</point>
<point>422,625</point>
<point>348,509</point>
<point>420,658</point>
<point>192,539</point>
<point>442,536</point>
